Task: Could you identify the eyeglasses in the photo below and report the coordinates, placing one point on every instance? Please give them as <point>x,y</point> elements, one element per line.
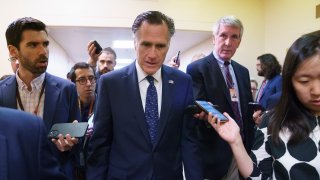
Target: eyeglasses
<point>84,80</point>
<point>12,59</point>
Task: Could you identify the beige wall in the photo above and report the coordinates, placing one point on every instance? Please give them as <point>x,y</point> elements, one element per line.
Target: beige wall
<point>270,25</point>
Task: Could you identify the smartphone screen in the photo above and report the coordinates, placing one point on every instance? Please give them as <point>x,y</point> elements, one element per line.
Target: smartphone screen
<point>207,107</point>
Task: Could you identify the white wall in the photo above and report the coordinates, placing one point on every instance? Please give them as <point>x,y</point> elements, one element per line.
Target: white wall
<point>188,15</point>
<point>59,61</point>
<point>270,25</point>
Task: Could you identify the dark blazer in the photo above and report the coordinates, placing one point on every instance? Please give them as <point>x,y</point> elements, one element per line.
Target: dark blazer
<point>269,95</point>
<point>120,147</point>
<point>209,85</point>
<point>24,148</point>
<point>60,106</point>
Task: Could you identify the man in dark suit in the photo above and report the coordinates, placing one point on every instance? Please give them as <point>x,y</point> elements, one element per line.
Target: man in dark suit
<point>33,90</point>
<point>140,130</point>
<point>24,148</point>
<point>225,83</point>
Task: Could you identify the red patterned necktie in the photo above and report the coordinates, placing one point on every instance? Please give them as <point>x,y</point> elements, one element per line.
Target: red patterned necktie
<point>263,85</point>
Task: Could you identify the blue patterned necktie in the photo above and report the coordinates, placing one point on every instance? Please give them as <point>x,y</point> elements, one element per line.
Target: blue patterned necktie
<point>234,104</point>
<point>151,109</point>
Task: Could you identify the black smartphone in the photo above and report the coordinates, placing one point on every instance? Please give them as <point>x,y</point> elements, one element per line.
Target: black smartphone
<point>192,109</point>
<point>177,59</point>
<point>207,107</point>
<point>98,47</point>
<point>255,106</point>
<point>77,130</point>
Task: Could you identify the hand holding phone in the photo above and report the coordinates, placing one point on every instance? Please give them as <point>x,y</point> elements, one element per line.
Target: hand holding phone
<point>177,59</point>
<point>77,130</point>
<point>207,107</point>
<point>98,47</point>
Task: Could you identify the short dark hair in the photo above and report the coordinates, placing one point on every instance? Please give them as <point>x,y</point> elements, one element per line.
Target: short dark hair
<point>270,65</point>
<point>17,27</point>
<point>153,17</point>
<point>79,65</point>
<point>110,50</point>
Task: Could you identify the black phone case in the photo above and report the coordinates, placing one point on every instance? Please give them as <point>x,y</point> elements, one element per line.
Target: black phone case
<point>77,130</point>
<point>256,106</point>
<point>98,47</point>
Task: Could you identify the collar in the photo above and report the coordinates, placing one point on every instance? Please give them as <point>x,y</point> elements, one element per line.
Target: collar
<point>219,60</point>
<point>35,83</point>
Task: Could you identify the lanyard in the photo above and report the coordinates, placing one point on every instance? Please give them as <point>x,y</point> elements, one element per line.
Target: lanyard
<point>35,112</point>
<point>90,108</point>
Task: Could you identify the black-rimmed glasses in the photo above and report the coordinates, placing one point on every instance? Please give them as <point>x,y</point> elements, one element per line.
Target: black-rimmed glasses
<point>84,80</point>
<point>12,59</point>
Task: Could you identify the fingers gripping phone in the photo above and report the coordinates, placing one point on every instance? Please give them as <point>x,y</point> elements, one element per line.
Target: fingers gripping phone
<point>77,130</point>
<point>98,47</point>
<point>177,59</point>
<point>207,107</point>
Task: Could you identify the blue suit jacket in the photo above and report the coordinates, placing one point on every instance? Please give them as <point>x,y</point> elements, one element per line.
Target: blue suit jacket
<point>60,106</point>
<point>272,92</point>
<point>209,85</point>
<point>120,147</point>
<point>24,148</point>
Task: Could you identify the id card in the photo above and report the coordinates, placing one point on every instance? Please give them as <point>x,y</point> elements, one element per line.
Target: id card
<point>233,95</point>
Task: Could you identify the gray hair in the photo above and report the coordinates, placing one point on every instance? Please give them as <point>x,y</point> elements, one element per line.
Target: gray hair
<point>229,21</point>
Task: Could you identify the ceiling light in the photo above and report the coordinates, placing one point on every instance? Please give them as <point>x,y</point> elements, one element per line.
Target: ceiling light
<point>128,44</point>
<point>124,61</point>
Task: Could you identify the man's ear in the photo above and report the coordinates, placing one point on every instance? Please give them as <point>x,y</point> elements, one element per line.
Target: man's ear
<point>13,51</point>
<point>213,39</point>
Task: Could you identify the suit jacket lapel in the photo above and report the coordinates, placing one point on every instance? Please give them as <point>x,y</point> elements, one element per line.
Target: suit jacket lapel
<point>52,92</point>
<point>3,160</point>
<point>167,90</point>
<point>134,98</point>
<point>241,87</point>
<point>220,78</point>
<point>9,90</point>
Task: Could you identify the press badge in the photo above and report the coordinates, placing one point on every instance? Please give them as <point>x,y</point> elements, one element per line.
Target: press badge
<point>233,94</point>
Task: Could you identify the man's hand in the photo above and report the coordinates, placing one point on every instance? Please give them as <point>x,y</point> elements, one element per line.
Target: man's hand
<point>65,144</point>
<point>93,57</point>
<point>257,117</point>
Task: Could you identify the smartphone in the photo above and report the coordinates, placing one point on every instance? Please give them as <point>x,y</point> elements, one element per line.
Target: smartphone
<point>98,47</point>
<point>177,59</point>
<point>207,107</point>
<point>192,109</point>
<point>77,130</point>
<point>255,106</point>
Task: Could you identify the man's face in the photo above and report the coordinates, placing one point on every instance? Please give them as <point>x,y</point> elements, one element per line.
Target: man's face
<point>106,62</point>
<point>226,41</point>
<point>259,68</point>
<point>34,52</point>
<point>254,89</point>
<point>85,91</point>
<point>151,43</point>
